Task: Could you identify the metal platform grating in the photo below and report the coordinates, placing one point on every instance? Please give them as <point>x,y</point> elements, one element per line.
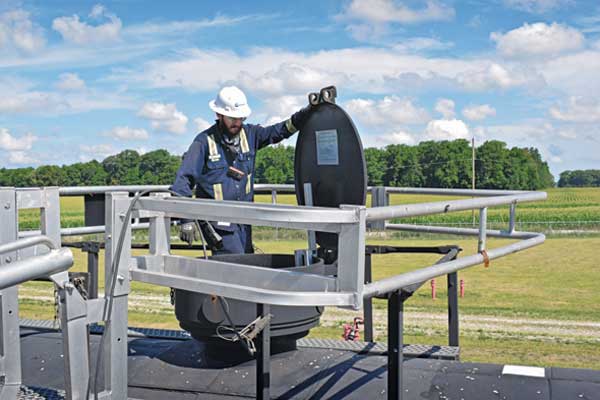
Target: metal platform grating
<point>40,393</point>
<point>409,350</point>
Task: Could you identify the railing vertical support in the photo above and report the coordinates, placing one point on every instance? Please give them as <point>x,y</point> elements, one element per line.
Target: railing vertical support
<point>481,245</point>
<point>395,345</point>
<point>512,217</point>
<point>73,310</point>
<point>453,328</point>
<point>10,342</point>
<point>92,249</point>
<point>379,198</point>
<point>263,356</point>
<point>368,303</point>
<point>115,351</point>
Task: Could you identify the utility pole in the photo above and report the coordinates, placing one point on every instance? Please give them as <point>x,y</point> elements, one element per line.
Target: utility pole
<point>473,163</point>
<point>473,172</point>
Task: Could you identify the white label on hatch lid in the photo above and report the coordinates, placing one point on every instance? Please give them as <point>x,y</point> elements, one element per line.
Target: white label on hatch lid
<point>327,147</point>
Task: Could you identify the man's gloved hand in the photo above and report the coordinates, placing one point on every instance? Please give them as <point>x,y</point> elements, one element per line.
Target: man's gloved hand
<point>300,117</point>
<point>189,231</point>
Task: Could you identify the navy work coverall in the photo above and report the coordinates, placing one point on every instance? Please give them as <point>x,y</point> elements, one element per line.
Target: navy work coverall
<point>205,166</point>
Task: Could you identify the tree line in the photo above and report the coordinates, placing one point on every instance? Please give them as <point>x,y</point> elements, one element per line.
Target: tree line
<point>445,164</point>
<point>579,177</point>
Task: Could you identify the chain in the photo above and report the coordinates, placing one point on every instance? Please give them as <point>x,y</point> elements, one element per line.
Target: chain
<point>56,323</point>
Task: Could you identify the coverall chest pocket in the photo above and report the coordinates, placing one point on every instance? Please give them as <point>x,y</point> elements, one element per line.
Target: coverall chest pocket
<point>216,171</point>
<point>246,161</point>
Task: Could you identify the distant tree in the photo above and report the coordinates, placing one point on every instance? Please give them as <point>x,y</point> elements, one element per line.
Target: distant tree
<point>376,167</point>
<point>430,164</point>
<point>579,178</point>
<point>49,175</point>
<point>93,174</point>
<point>158,167</point>
<point>275,164</point>
<point>492,165</point>
<point>403,166</point>
<point>21,177</point>
<point>123,168</point>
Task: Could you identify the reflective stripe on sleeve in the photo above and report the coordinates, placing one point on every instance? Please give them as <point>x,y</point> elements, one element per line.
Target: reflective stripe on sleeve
<point>244,141</point>
<point>290,127</point>
<point>218,189</point>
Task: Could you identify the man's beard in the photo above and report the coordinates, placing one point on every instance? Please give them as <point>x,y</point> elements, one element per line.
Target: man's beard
<point>234,130</point>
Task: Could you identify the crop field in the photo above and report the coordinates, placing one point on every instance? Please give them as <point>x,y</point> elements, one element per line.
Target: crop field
<point>574,210</point>
<point>537,307</point>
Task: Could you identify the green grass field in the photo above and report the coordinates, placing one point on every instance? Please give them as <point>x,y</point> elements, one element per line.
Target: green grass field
<point>537,307</point>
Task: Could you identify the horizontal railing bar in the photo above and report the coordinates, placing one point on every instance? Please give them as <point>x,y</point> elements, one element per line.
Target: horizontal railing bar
<point>459,231</point>
<point>397,282</point>
<point>453,192</point>
<point>27,242</point>
<point>82,230</point>
<point>441,207</point>
<point>246,293</point>
<point>296,217</point>
<point>21,271</point>
<point>284,188</point>
<point>83,190</point>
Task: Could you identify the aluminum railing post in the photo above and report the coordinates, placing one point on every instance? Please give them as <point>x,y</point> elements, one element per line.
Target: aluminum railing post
<point>115,351</point>
<point>368,303</point>
<point>10,344</point>
<point>73,311</point>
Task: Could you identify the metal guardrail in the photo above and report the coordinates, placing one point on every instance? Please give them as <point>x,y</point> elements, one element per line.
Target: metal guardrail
<point>265,287</point>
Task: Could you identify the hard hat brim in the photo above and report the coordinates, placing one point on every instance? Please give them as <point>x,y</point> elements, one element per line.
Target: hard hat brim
<point>242,112</point>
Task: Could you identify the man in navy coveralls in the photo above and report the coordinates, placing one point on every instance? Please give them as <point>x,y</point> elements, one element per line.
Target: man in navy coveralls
<point>219,164</point>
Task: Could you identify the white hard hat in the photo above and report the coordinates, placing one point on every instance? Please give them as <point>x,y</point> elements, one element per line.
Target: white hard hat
<point>231,102</point>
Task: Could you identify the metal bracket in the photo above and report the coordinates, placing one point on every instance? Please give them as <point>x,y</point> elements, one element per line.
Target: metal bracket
<point>326,95</point>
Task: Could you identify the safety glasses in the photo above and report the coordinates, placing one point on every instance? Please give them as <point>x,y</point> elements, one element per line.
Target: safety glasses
<point>232,120</point>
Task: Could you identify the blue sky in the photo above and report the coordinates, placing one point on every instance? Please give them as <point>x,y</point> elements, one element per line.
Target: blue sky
<point>81,79</point>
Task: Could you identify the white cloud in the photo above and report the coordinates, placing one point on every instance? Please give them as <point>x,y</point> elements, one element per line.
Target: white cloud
<point>18,31</point>
<point>36,102</point>
<point>445,107</point>
<point>418,44</point>
<point>187,26</point>
<point>12,143</point>
<point>281,108</point>
<point>478,112</point>
<point>165,117</point>
<point>578,109</point>
<point>18,98</point>
<point>538,40</point>
<point>75,31</point>
<point>127,133</point>
<point>20,157</point>
<point>201,124</point>
<point>288,78</point>
<point>389,111</point>
<point>280,72</point>
<point>537,6</point>
<point>575,74</point>
<point>97,150</point>
<point>382,11</point>
<point>70,81</point>
<point>370,18</point>
<point>446,129</point>
<point>495,76</point>
<point>395,137</point>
